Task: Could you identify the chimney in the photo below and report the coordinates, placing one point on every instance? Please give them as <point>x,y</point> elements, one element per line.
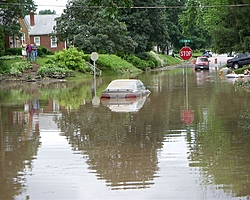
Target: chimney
<point>32,18</point>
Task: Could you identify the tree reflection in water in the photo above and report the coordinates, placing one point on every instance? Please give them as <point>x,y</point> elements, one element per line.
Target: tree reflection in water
<point>119,150</point>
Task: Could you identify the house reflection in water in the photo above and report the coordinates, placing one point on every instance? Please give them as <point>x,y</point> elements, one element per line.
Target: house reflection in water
<point>20,126</point>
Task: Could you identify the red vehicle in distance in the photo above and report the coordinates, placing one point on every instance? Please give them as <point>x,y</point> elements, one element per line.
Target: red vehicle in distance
<point>202,63</point>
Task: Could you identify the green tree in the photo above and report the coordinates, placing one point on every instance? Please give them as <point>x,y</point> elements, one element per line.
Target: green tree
<point>88,30</point>
<point>193,26</point>
<point>110,8</point>
<point>47,12</point>
<point>230,29</point>
<point>174,29</point>
<point>146,24</point>
<point>10,12</point>
<point>224,23</point>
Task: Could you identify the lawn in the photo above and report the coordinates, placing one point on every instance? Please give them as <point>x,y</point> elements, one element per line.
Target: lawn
<point>170,59</point>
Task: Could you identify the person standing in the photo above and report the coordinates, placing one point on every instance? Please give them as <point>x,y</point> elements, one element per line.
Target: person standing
<point>24,53</point>
<point>34,49</point>
<point>29,52</point>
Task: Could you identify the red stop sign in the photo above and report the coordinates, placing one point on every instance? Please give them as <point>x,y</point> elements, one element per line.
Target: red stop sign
<point>186,53</point>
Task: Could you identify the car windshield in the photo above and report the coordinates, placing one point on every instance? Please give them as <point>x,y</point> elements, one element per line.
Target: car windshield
<point>202,59</point>
<point>240,55</point>
<point>121,85</point>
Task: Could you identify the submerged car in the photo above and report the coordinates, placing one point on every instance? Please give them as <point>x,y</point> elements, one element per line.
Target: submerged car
<point>125,88</point>
<point>125,95</point>
<point>202,63</point>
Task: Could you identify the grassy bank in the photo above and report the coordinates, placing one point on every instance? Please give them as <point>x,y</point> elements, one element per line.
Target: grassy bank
<point>108,64</point>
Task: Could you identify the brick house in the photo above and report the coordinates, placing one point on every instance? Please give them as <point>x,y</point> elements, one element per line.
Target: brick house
<point>38,29</point>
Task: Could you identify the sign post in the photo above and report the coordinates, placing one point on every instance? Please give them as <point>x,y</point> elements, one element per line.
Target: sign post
<point>95,100</point>
<point>187,115</point>
<point>186,53</point>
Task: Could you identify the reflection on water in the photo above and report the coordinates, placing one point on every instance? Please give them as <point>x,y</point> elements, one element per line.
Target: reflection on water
<point>55,144</point>
<point>123,104</point>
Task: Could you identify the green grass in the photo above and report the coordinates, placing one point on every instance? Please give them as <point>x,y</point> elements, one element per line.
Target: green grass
<point>241,70</point>
<point>170,59</point>
<point>116,64</point>
<point>109,64</point>
<point>196,54</point>
<point>42,60</point>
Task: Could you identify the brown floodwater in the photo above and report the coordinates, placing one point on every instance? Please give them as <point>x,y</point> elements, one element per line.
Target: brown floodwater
<point>189,139</point>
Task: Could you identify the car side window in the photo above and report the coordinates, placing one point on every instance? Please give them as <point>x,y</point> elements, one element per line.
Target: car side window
<point>140,85</point>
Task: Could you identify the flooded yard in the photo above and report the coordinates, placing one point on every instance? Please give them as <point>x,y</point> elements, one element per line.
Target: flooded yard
<point>189,139</point>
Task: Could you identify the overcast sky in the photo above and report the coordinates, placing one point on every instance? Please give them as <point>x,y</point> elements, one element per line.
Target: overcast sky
<point>57,5</point>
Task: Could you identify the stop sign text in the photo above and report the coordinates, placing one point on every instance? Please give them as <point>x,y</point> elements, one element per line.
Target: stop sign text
<point>186,53</point>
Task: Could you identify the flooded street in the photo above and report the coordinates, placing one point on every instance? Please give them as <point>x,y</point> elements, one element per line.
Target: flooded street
<point>189,139</point>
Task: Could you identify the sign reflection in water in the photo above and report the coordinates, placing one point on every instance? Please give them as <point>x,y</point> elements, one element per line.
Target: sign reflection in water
<point>187,115</point>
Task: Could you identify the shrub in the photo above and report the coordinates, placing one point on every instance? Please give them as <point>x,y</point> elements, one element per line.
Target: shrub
<point>13,51</point>
<point>150,59</point>
<point>116,64</point>
<point>72,59</point>
<point>3,68</point>
<point>151,64</point>
<point>16,68</point>
<point>54,71</point>
<point>87,58</point>
<point>143,56</point>
<point>137,62</point>
<point>42,51</point>
<point>156,62</point>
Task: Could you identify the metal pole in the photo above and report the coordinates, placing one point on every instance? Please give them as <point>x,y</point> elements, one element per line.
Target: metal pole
<point>94,78</point>
<point>186,89</point>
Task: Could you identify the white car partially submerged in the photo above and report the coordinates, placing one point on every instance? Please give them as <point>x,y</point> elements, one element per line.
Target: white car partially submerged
<point>125,88</point>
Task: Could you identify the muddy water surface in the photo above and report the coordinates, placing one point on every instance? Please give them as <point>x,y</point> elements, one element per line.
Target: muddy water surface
<point>189,139</point>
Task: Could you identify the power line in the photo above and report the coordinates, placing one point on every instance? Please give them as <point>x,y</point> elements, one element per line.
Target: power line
<point>141,7</point>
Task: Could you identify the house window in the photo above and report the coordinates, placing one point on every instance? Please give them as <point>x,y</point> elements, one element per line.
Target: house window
<point>53,41</point>
<point>37,40</point>
<point>23,39</point>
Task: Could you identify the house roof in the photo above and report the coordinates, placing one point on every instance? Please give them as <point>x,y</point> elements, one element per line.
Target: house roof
<point>43,24</point>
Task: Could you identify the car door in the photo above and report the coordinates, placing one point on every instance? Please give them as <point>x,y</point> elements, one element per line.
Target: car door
<point>247,60</point>
<point>242,59</point>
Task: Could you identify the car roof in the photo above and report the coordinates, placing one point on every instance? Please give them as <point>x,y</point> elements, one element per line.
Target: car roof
<point>125,80</point>
<point>123,83</point>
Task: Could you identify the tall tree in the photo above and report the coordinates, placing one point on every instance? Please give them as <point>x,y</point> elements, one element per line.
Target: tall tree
<point>230,27</point>
<point>226,23</point>
<point>193,26</point>
<point>88,30</point>
<point>11,10</point>
<point>146,22</point>
<point>173,10</point>
<point>110,8</point>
